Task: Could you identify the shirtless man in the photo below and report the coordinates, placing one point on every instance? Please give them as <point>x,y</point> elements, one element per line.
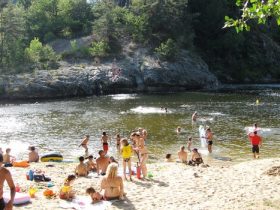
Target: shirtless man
<point>209,139</point>
<point>182,155</point>
<point>178,130</point>
<point>102,163</point>
<point>143,152</point>
<point>84,144</point>
<point>104,142</point>
<point>81,169</point>
<point>5,175</point>
<point>33,155</point>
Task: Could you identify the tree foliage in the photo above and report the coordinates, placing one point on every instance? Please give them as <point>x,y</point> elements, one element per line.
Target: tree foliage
<point>261,10</point>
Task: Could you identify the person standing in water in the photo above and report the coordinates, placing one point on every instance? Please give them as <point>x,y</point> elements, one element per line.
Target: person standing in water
<point>189,144</point>
<point>256,141</point>
<point>5,175</point>
<point>209,139</point>
<point>104,141</point>
<point>194,116</point>
<point>118,142</point>
<point>84,144</point>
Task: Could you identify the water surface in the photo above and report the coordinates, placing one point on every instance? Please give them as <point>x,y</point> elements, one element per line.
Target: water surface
<point>60,125</point>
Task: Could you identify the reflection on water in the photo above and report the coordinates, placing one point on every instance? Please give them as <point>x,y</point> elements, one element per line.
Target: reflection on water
<point>60,125</point>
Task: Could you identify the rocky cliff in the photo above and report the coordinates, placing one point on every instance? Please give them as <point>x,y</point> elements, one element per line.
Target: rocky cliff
<point>140,72</point>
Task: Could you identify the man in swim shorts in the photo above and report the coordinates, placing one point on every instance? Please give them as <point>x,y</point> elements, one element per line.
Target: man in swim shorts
<point>209,139</point>
<point>256,141</point>
<point>5,175</point>
<point>104,141</point>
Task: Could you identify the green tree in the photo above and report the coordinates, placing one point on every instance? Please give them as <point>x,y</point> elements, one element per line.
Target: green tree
<point>12,37</point>
<point>99,49</point>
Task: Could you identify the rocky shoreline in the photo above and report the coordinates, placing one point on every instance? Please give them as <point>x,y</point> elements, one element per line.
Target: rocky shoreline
<point>144,73</point>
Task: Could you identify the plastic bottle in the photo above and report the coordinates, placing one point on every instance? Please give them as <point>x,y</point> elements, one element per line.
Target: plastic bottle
<point>17,188</point>
<point>31,175</point>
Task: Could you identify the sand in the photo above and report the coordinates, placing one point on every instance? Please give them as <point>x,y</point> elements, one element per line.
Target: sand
<point>174,185</point>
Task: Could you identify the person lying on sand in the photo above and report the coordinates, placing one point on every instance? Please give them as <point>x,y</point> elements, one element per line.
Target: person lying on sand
<point>66,192</point>
<point>81,169</point>
<point>102,163</point>
<point>33,155</point>
<point>95,196</point>
<point>182,155</point>
<point>91,165</point>
<point>196,158</point>
<point>112,184</point>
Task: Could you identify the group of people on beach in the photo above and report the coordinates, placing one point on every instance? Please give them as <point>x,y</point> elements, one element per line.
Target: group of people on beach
<point>106,166</point>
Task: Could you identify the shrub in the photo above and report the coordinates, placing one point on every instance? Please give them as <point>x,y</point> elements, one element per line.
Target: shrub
<point>167,50</point>
<point>41,56</point>
<point>99,48</point>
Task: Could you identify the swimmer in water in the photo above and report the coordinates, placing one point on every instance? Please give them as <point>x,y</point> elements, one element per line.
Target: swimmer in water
<point>178,130</point>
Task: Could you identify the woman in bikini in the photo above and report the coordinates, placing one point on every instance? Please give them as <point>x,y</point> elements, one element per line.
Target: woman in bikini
<point>126,152</point>
<point>142,150</point>
<point>112,184</point>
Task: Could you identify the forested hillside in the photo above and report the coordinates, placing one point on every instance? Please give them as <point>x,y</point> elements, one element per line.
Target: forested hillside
<point>163,26</point>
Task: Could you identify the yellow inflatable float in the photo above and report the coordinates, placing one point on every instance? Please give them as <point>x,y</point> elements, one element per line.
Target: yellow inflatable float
<point>52,157</point>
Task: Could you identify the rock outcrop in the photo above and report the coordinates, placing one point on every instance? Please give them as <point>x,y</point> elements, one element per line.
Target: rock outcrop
<point>140,72</point>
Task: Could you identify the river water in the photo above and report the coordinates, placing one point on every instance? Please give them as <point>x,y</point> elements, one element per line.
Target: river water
<point>60,125</point>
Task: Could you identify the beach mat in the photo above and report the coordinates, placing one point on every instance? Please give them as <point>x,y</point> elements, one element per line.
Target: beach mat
<point>84,203</point>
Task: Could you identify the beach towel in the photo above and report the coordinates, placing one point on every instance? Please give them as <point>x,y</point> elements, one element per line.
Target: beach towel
<point>84,203</point>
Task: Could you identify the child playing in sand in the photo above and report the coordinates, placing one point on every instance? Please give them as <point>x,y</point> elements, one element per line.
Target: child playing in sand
<point>113,160</point>
<point>84,143</point>
<point>95,196</point>
<point>66,192</point>
<point>182,155</point>
<point>91,165</point>
<point>126,152</point>
<point>81,169</point>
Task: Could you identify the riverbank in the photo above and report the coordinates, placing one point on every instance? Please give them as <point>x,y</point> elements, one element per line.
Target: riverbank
<point>175,186</point>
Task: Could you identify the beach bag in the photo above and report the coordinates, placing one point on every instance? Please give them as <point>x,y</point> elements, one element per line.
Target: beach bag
<point>41,178</point>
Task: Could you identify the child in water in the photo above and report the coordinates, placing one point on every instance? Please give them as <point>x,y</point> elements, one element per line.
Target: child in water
<point>95,196</point>
<point>66,192</point>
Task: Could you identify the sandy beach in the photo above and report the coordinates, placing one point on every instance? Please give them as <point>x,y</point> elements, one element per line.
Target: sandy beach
<point>223,185</point>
